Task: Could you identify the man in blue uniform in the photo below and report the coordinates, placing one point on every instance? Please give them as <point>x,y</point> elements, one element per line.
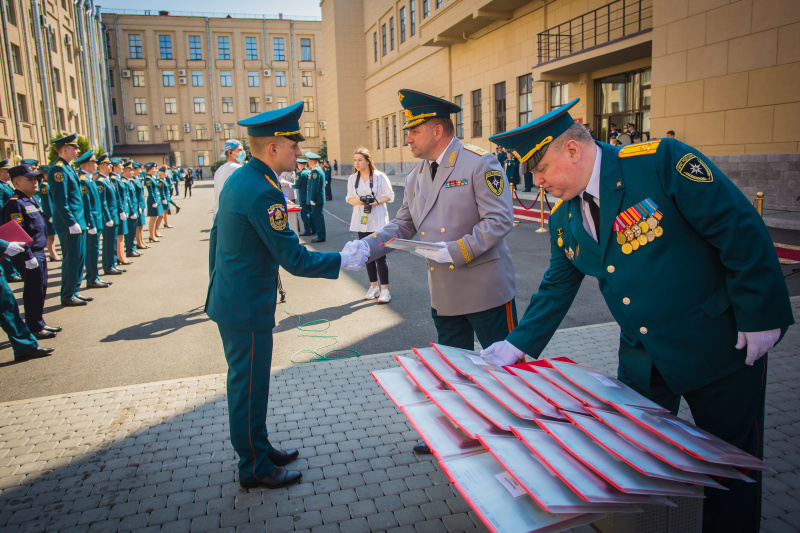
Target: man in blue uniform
<point>69,219</point>
<point>6,190</point>
<point>316,196</point>
<point>301,186</point>
<point>94,206</point>
<point>686,267</point>
<point>23,208</point>
<point>108,196</point>
<point>249,241</point>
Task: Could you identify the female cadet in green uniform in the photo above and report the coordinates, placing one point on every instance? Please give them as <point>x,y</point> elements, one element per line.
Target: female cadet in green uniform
<point>155,209</point>
<point>138,185</point>
<point>165,186</point>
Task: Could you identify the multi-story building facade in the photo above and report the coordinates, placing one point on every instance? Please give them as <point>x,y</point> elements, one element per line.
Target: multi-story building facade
<point>722,74</point>
<point>180,83</point>
<point>53,70</point>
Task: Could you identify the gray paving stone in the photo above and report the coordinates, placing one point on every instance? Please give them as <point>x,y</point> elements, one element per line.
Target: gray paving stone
<point>180,526</point>
<point>431,526</point>
<point>279,524</point>
<point>394,486</point>
<point>362,508</point>
<point>335,514</point>
<point>356,525</point>
<point>434,509</point>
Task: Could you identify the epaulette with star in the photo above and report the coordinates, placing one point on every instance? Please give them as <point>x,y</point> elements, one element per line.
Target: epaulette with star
<point>475,149</point>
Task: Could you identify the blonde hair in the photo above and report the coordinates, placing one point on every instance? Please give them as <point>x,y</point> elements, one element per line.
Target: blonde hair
<point>364,152</point>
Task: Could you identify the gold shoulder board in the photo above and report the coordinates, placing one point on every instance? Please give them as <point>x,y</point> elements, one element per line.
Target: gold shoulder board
<point>646,148</point>
<point>475,149</point>
<point>558,204</point>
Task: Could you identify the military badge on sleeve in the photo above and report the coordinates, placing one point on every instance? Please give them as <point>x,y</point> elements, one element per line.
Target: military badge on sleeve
<point>17,217</point>
<point>494,179</point>
<point>692,167</point>
<point>277,217</point>
<point>58,176</point>
<point>83,190</point>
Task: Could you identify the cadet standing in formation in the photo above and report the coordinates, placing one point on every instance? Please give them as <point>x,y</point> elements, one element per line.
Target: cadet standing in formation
<point>155,208</point>
<point>134,208</point>
<point>108,198</point>
<point>88,165</point>
<point>316,197</point>
<point>121,192</point>
<point>301,186</point>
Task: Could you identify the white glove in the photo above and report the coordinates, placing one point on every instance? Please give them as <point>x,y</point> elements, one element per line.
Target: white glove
<point>164,202</point>
<point>286,182</point>
<point>502,353</point>
<point>30,264</point>
<point>110,224</point>
<point>134,216</point>
<point>92,231</point>
<point>155,205</point>
<point>354,255</point>
<point>75,229</point>
<point>758,343</point>
<point>312,203</point>
<point>123,216</point>
<point>440,256</point>
<point>14,248</point>
<point>50,220</point>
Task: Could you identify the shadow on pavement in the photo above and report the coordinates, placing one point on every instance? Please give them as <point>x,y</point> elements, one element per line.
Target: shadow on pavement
<point>158,327</point>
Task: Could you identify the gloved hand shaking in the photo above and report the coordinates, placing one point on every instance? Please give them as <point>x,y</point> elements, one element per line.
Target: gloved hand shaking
<point>75,229</point>
<point>502,353</point>
<point>354,255</point>
<point>14,248</point>
<point>30,264</point>
<point>440,256</point>
<point>758,343</point>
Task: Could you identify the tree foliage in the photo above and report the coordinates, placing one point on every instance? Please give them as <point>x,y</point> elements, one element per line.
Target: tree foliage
<point>83,144</point>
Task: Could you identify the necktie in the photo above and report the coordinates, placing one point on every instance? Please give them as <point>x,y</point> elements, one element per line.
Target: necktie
<point>595,212</point>
<point>434,166</point>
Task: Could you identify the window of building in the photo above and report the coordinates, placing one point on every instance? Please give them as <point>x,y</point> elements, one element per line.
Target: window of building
<point>165,45</point>
<point>228,131</point>
<point>391,33</point>
<point>223,48</point>
<point>375,44</point>
<point>57,80</point>
<point>135,45</point>
<point>305,49</point>
<point>22,105</point>
<point>477,114</point>
<point>278,51</point>
<point>281,102</point>
<point>199,105</point>
<point>253,78</point>
<point>412,11</point>
<point>178,159</point>
<point>168,78</point>
<point>620,99</point>
<point>143,133</point>
<point>308,78</point>
<point>225,78</point>
<point>137,77</point>
<point>308,103</point>
<point>202,158</point>
<point>113,106</point>
<point>310,129</point>
<point>15,62</point>
<point>201,132</point>
<point>72,90</point>
<point>559,94</point>
<point>280,78</point>
<point>170,106</point>
<point>140,106</point>
<point>61,121</point>
<point>500,107</point>
<point>68,47</point>
<point>110,78</point>
<point>251,48</point>
<point>255,104</point>
<point>525,85</point>
<point>459,101</point>
<point>383,39</point>
<point>51,35</point>
<point>197,78</point>
<point>426,8</point>
<point>402,24</point>
<point>108,46</point>
<point>116,134</point>
<point>394,131</point>
<point>195,48</point>
<point>386,130</point>
<point>378,134</point>
<point>173,133</point>
<point>11,12</point>
<point>227,104</point>
<point>439,4</point>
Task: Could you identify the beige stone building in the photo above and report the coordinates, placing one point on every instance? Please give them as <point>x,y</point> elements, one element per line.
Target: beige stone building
<point>180,83</point>
<point>724,75</point>
<point>53,70</point>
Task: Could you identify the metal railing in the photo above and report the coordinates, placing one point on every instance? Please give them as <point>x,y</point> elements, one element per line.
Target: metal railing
<point>614,21</point>
<point>165,13</point>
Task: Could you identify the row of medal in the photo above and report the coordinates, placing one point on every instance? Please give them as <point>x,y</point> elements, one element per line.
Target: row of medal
<point>638,225</point>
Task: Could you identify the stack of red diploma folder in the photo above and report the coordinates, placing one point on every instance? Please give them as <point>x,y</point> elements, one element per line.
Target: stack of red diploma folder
<point>552,445</point>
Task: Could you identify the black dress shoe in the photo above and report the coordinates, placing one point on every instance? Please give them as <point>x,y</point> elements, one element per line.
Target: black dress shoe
<point>84,298</point>
<point>422,448</point>
<point>44,334</point>
<point>125,263</point>
<point>75,302</point>
<point>106,282</point>
<point>317,240</point>
<point>36,352</point>
<point>54,329</point>
<point>13,279</point>
<point>97,285</point>
<point>112,272</point>
<point>280,458</point>
<point>279,477</point>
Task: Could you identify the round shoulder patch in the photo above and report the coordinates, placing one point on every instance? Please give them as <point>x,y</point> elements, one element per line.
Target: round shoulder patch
<point>277,217</point>
<point>693,168</point>
<point>494,179</point>
<point>99,188</point>
<point>58,176</point>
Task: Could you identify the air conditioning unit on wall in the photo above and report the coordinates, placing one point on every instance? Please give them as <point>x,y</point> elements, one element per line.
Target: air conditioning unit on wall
<point>126,73</point>
<point>268,99</point>
<point>187,127</point>
<point>267,73</point>
<point>129,126</point>
<point>181,72</point>
<point>217,127</point>
<point>182,81</point>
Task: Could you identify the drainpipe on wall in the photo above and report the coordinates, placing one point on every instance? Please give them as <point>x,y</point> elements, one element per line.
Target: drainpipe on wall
<point>119,77</point>
<point>11,79</point>
<point>45,85</point>
<point>291,41</point>
<point>104,80</point>
<point>87,87</point>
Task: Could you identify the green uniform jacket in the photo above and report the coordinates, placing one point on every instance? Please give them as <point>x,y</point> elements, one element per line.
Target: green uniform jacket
<point>65,194</point>
<point>301,185</point>
<point>108,194</point>
<point>92,197</point>
<point>681,298</point>
<point>316,186</point>
<point>249,240</point>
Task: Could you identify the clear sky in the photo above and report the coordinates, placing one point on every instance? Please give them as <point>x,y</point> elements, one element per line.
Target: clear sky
<point>306,8</point>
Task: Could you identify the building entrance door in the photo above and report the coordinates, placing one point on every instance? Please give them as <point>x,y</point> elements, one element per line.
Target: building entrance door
<point>621,99</point>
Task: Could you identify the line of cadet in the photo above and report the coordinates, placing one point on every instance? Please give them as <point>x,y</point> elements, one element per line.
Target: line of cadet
<point>103,196</point>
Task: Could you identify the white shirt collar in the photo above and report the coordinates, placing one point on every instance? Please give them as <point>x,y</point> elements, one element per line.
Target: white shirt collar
<point>447,149</point>
<point>593,187</point>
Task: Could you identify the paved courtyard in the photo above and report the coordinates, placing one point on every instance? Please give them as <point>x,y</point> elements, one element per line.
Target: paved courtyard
<point>156,457</point>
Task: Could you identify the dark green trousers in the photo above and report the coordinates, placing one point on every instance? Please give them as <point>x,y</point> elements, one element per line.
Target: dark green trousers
<point>18,333</point>
<point>490,326</point>
<point>109,247</point>
<point>92,256</point>
<point>249,357</point>
<point>73,252</point>
<point>731,408</point>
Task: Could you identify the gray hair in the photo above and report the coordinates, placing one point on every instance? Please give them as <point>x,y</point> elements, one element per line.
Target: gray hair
<point>576,132</point>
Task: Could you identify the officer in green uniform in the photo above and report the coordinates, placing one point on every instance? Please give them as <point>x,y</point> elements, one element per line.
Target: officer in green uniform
<point>138,185</point>
<point>686,267</point>
<point>47,211</point>
<point>123,207</point>
<point>155,209</point>
<point>316,196</point>
<point>301,186</point>
<point>249,241</point>
<point>128,181</point>
<point>6,191</point>
<point>94,206</point>
<point>511,168</point>
<point>108,195</point>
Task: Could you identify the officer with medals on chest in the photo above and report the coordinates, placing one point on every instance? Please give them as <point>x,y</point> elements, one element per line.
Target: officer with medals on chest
<point>6,191</point>
<point>316,196</point>
<point>69,219</point>
<point>685,265</point>
<point>249,240</point>
<point>94,206</point>
<point>24,209</point>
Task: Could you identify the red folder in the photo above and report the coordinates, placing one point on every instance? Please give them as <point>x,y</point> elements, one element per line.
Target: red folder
<point>13,232</point>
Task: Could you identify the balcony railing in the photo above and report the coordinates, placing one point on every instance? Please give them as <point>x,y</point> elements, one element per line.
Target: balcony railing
<point>614,21</point>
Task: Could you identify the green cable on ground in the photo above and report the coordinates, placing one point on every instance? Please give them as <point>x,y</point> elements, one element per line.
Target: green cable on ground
<point>306,331</point>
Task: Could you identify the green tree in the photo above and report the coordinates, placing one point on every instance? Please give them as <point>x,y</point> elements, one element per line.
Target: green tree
<point>323,151</point>
<point>216,165</point>
<point>83,144</point>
